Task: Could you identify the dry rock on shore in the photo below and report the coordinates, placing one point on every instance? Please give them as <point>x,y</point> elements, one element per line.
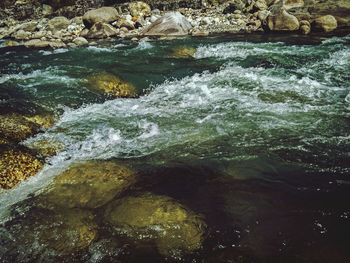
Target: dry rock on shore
<point>171,24</point>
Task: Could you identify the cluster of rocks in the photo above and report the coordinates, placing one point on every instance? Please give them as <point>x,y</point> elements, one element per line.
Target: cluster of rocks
<point>63,222</point>
<point>138,19</point>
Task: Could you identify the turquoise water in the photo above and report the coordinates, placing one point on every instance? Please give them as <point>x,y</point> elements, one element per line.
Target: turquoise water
<point>251,133</point>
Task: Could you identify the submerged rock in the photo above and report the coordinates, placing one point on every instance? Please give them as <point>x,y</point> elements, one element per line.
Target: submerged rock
<point>16,165</point>
<point>46,148</point>
<point>171,24</point>
<point>183,52</point>
<point>100,15</point>
<point>88,185</point>
<point>112,85</point>
<point>326,23</point>
<point>54,233</point>
<point>16,127</point>
<point>156,219</point>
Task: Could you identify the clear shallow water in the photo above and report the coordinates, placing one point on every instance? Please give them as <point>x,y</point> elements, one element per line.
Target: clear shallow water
<point>252,134</point>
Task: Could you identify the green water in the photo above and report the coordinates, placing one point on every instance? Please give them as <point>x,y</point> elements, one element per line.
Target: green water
<point>252,133</point>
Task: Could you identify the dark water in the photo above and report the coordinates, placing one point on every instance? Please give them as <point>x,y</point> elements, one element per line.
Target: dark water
<point>252,134</point>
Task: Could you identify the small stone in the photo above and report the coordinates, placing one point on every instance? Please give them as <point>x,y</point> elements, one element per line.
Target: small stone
<point>47,10</point>
<point>80,41</point>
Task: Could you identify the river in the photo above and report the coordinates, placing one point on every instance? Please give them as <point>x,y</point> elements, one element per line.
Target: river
<point>253,133</point>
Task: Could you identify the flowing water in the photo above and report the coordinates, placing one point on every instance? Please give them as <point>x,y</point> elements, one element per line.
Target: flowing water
<point>253,133</point>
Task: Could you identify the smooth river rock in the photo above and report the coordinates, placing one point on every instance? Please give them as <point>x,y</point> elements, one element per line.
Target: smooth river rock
<point>88,185</point>
<point>148,219</point>
<point>170,24</point>
<point>326,23</point>
<point>282,21</point>
<point>111,85</point>
<point>102,15</point>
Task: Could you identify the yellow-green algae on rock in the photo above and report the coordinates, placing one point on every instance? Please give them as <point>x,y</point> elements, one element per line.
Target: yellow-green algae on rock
<point>157,219</point>
<point>16,165</point>
<point>183,52</point>
<point>16,127</point>
<point>62,232</point>
<point>112,85</point>
<point>88,185</point>
<point>46,148</point>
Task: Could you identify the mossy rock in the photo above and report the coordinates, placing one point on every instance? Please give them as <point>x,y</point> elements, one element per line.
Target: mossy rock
<point>16,127</point>
<point>17,165</point>
<point>112,85</point>
<point>59,233</point>
<point>88,185</point>
<point>46,148</point>
<point>45,121</point>
<point>183,52</point>
<point>157,220</point>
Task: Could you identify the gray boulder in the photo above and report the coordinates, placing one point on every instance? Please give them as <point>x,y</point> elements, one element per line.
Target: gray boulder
<point>100,15</point>
<point>171,24</point>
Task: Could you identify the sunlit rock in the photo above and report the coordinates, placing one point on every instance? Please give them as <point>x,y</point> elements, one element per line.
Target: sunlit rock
<point>46,148</point>
<point>58,23</point>
<point>100,15</point>
<point>43,120</point>
<point>326,23</point>
<point>80,41</point>
<point>17,127</point>
<point>16,165</point>
<point>112,85</point>
<point>305,27</point>
<point>281,20</point>
<point>139,9</point>
<point>89,185</point>
<point>183,52</point>
<point>157,219</point>
<point>101,30</point>
<point>171,24</point>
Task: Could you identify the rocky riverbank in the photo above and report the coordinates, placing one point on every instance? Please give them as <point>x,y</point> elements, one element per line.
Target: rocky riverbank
<point>58,24</point>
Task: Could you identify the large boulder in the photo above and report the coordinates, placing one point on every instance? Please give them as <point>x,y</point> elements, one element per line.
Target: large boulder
<point>88,185</point>
<point>171,24</point>
<point>340,9</point>
<point>159,220</point>
<point>281,20</point>
<point>16,127</point>
<point>16,165</point>
<point>111,85</point>
<point>325,23</point>
<point>100,15</point>
<point>43,233</point>
<point>58,23</point>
